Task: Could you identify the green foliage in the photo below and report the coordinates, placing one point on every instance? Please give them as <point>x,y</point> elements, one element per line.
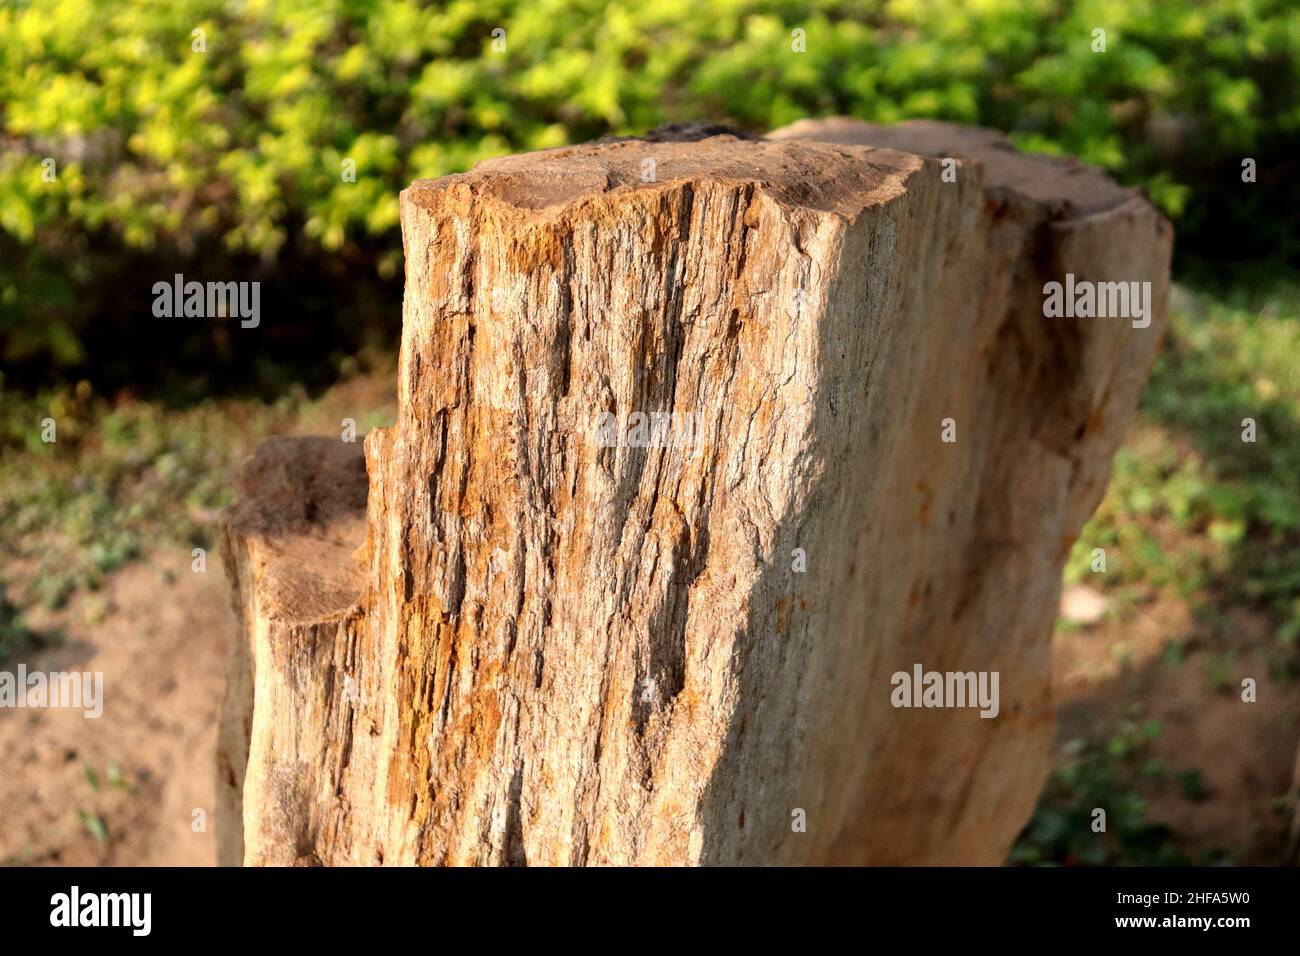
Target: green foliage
<point>16,637</point>
<point>1110,778</point>
<point>126,476</point>
<point>169,156</point>
<point>1194,510</point>
<point>83,505</point>
<point>1196,515</point>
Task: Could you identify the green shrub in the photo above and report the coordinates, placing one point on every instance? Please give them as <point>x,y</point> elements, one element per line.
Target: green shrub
<point>1066,829</point>
<point>228,161</point>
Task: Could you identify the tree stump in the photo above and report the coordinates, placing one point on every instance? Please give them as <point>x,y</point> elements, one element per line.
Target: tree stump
<point>540,628</point>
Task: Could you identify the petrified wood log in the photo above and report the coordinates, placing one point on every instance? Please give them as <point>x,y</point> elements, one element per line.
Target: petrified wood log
<point>567,635</point>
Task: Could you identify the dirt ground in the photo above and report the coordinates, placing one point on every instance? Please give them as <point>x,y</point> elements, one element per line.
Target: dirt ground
<point>159,632</point>
<point>1245,753</point>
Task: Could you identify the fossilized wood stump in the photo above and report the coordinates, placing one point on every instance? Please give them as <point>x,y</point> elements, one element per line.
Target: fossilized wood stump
<point>524,635</point>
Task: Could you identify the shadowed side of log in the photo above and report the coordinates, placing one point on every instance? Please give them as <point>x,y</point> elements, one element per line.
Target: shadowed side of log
<point>558,648</point>
<point>956,565</point>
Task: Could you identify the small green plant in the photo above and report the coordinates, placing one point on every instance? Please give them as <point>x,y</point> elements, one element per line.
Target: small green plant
<point>1192,784</point>
<point>1219,671</point>
<point>16,638</point>
<point>1110,778</point>
<point>94,826</point>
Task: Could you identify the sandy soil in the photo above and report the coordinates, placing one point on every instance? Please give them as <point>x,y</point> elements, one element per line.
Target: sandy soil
<point>1245,752</point>
<point>159,633</point>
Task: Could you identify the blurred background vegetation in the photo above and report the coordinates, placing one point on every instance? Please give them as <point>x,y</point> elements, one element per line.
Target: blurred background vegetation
<point>226,163</point>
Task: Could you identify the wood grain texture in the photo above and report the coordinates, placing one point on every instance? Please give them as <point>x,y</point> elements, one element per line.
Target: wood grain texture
<point>504,643</point>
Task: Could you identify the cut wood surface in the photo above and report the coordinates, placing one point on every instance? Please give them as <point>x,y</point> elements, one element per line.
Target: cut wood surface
<point>534,630</point>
